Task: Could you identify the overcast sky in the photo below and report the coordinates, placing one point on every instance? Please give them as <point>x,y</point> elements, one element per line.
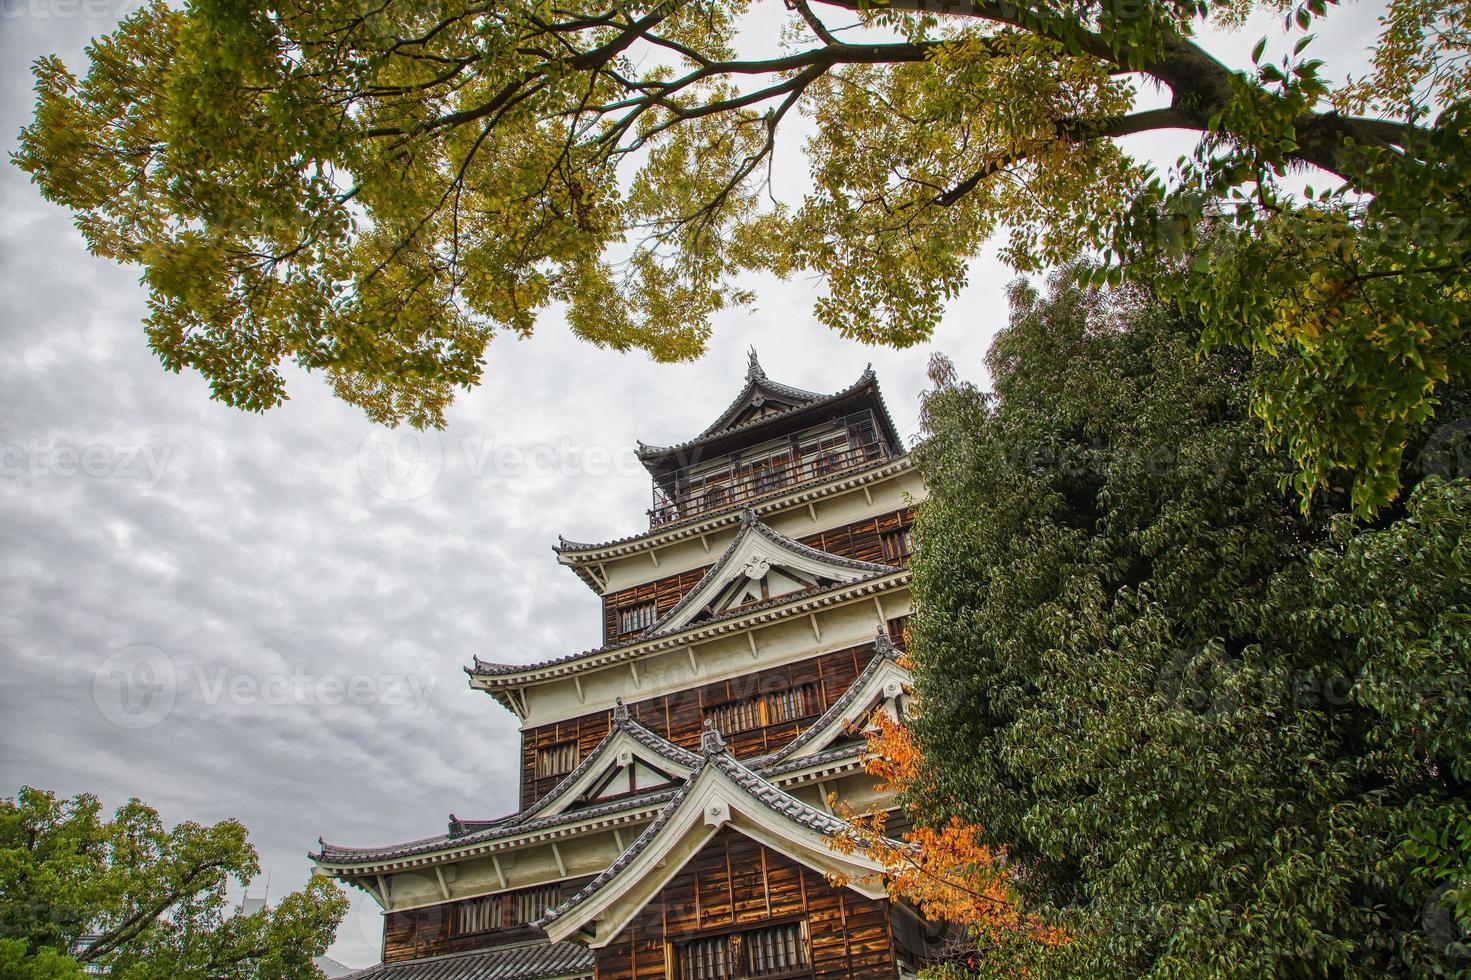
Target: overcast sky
<point>295,600</point>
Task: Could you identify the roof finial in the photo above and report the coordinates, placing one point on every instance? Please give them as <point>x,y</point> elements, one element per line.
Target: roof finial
<point>711,742</point>
<point>620,711</point>
<point>753,365</point>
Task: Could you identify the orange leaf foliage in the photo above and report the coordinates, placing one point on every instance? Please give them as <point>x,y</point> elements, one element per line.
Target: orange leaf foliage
<point>948,873</point>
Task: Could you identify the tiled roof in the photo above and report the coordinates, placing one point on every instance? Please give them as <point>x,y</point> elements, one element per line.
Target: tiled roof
<point>623,721</point>
<point>884,651</point>
<point>718,756</point>
<point>761,769</point>
<point>716,519</point>
<point>756,379</point>
<point>540,961</point>
<point>494,830</point>
<point>487,667</point>
<point>751,523</point>
<point>808,400</point>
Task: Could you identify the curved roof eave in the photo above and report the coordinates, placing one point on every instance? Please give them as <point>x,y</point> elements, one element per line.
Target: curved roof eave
<point>488,673</point>
<point>653,456</point>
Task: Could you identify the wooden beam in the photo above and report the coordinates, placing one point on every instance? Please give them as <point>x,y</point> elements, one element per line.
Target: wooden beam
<point>633,669</point>
<point>443,885</point>
<point>822,788</point>
<point>694,664</point>
<point>557,853</point>
<point>812,511</point>
<point>705,540</point>
<point>816,630</point>
<point>879,605</point>
<point>868,496</point>
<point>495,862</point>
<point>654,556</point>
<point>382,890</point>
<point>751,638</point>
<point>581,698</point>
<point>618,839</point>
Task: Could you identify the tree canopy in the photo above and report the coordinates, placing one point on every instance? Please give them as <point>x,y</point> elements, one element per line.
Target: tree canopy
<point>374,189</point>
<point>1216,735</point>
<point>81,892</point>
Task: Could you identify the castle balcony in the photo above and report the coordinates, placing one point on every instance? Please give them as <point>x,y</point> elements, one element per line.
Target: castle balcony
<point>818,452</point>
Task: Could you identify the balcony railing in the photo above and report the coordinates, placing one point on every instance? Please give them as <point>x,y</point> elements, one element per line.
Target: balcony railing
<point>813,454</point>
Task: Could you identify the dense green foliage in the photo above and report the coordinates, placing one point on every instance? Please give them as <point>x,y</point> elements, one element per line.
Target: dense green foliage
<point>1221,736</point>
<point>127,896</point>
<point>375,191</point>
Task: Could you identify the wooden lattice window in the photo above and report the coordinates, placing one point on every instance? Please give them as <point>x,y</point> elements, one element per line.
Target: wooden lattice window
<point>636,618</point>
<point>479,915</point>
<point>772,708</point>
<point>791,704</point>
<point>556,760</point>
<point>776,951</point>
<point>530,904</point>
<point>898,545</point>
<point>735,716</point>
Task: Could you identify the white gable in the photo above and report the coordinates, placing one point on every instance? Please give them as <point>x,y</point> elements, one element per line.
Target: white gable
<point>759,565</point>
<point>714,800</point>
<point>881,686</point>
<point>620,764</point>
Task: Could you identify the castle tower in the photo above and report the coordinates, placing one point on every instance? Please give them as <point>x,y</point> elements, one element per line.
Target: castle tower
<point>675,779</point>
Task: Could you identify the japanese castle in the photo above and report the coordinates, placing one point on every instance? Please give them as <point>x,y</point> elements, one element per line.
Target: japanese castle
<point>678,781</point>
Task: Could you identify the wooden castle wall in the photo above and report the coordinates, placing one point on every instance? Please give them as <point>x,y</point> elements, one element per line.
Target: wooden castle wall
<point>734,884</point>
<point>442,928</point>
<point>863,540</point>
<point>680,716</point>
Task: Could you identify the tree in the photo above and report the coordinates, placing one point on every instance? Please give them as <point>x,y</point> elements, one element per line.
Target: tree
<point>945,869</point>
<point>1217,736</point>
<point>129,897</point>
<point>375,189</point>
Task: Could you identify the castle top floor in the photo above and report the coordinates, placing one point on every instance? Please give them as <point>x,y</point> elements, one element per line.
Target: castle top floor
<point>773,447</point>
<point>770,438</point>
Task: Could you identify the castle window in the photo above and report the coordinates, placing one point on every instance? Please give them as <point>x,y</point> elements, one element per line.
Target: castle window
<point>706,959</point>
<point>556,760</point>
<point>772,708</point>
<point>735,716</point>
<point>791,704</point>
<point>897,544</point>
<point>530,904</point>
<point>479,915</point>
<point>776,951</point>
<point>636,618</point>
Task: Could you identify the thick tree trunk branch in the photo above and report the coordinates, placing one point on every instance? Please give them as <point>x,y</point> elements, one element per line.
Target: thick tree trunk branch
<point>1200,86</point>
